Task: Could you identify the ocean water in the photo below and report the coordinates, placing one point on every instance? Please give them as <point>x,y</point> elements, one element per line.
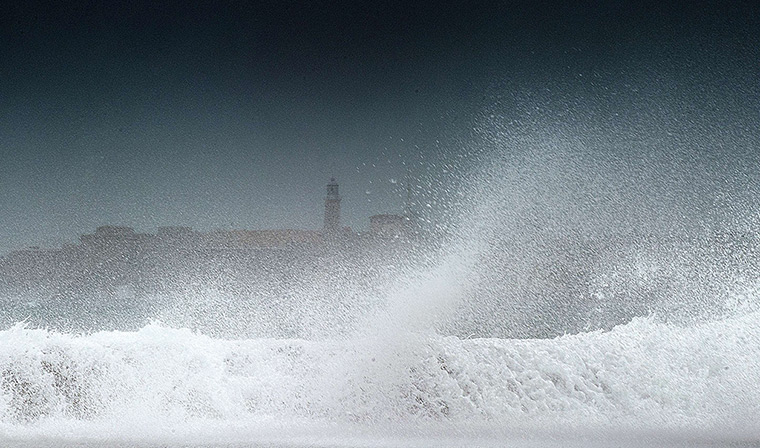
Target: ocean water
<point>654,285</point>
<point>641,381</point>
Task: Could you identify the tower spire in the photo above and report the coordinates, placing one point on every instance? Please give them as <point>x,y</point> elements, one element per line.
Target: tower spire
<point>332,209</point>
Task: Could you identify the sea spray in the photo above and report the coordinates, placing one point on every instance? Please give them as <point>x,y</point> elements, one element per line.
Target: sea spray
<point>643,374</point>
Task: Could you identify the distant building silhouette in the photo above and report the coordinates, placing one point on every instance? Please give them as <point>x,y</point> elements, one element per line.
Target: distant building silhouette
<point>332,210</point>
<point>114,256</point>
<point>107,235</point>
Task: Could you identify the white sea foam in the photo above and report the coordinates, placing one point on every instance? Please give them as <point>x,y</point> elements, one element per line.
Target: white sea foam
<point>160,382</point>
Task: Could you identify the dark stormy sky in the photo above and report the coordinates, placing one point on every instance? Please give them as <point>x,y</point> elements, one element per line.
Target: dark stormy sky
<point>236,114</point>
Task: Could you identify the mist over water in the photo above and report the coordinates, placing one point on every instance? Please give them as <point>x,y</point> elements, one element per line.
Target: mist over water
<point>578,229</point>
<point>554,213</point>
<point>563,282</point>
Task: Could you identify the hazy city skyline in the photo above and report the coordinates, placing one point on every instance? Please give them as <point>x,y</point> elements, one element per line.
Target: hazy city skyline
<point>228,115</point>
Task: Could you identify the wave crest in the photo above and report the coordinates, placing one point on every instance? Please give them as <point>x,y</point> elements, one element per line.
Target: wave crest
<point>643,373</point>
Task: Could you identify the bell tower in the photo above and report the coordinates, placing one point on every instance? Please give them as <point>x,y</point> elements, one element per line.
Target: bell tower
<point>332,208</point>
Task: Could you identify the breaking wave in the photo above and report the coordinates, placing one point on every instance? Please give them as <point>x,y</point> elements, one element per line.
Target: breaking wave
<point>644,374</point>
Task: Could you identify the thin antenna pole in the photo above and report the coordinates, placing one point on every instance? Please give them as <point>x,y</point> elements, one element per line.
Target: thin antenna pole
<point>408,202</point>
